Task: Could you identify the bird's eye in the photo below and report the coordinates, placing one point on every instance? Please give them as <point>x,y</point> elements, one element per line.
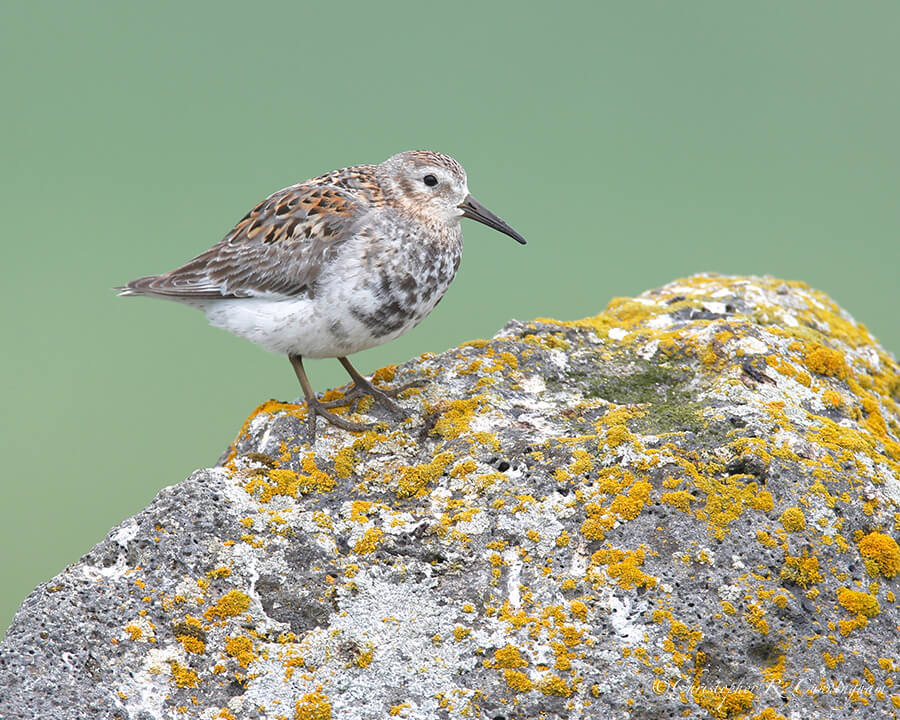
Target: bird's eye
<point>430,180</point>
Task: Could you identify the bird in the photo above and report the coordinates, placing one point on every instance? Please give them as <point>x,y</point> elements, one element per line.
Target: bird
<point>334,265</point>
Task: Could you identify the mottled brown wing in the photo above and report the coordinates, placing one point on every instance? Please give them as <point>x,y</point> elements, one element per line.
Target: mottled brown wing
<point>279,247</point>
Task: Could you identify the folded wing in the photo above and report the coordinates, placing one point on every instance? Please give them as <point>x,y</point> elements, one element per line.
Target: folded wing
<point>278,248</point>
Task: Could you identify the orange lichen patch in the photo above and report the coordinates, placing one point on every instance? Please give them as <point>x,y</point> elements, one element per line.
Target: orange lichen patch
<point>464,468</point>
<point>240,648</point>
<point>679,499</point>
<point>624,567</point>
<point>191,644</point>
<point>455,418</point>
<point>369,542</point>
<point>134,632</point>
<point>825,361</point>
<point>775,673</point>
<point>848,626</point>
<point>801,570</point>
<point>581,462</point>
<point>617,435</point>
<point>183,676</point>
<point>837,437</point>
<point>518,681</point>
<point>723,702</point>
<point>313,706</point>
<point>414,480</point>
<point>756,618</point>
<point>219,573</point>
<point>726,499</point>
<point>233,603</point>
<point>793,519</point>
<point>385,374</point>
<point>579,610</point>
<point>832,398</point>
<point>270,407</point>
<point>555,685</point>
<point>768,714</point>
<point>509,657</point>
<point>629,506</point>
<point>858,602</point>
<point>359,511</point>
<point>286,482</point>
<point>597,523</point>
<point>345,461</point>
<point>880,554</point>
<point>364,657</point>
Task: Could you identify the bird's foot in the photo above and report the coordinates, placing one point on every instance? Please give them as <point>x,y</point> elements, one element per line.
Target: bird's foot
<point>383,395</point>
<point>316,408</point>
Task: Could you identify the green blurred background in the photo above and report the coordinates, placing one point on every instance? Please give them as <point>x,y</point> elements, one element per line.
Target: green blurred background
<point>632,143</point>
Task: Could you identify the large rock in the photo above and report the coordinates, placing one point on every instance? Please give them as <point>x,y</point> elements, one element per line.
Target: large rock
<point>685,506</point>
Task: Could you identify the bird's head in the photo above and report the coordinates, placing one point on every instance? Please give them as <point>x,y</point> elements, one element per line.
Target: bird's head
<point>434,186</point>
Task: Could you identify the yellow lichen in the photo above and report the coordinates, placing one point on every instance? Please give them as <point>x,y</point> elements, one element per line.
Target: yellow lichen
<point>233,603</point>
<point>518,681</point>
<point>825,361</point>
<point>579,610</point>
<point>554,685</point>
<point>240,648</point>
<point>756,618</point>
<point>455,419</point>
<point>832,398</point>
<point>509,657</point>
<point>617,435</point>
<point>848,626</point>
<point>364,658</point>
<point>464,468</point>
<point>183,676</point>
<point>881,554</point>
<point>191,644</point>
<point>345,462</point>
<point>793,519</point>
<point>134,632</point>
<point>414,480</point>
<point>721,701</point>
<point>369,542</point>
<point>624,567</point>
<point>858,602</point>
<point>679,499</point>
<point>801,570</point>
<point>313,706</point>
<point>629,506</point>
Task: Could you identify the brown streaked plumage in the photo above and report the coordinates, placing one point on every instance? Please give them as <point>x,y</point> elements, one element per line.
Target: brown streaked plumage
<point>336,264</point>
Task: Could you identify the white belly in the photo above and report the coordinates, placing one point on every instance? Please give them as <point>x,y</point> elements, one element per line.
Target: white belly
<point>362,300</point>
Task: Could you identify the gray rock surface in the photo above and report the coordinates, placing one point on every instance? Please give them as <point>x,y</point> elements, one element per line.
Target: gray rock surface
<point>685,506</point>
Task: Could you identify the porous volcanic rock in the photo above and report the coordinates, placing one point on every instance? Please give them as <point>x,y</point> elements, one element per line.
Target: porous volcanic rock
<point>686,506</point>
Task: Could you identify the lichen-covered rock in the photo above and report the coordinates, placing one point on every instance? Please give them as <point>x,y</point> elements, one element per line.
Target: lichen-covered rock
<point>686,506</point>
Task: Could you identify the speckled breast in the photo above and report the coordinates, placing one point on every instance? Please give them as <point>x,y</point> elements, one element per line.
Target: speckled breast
<point>406,281</point>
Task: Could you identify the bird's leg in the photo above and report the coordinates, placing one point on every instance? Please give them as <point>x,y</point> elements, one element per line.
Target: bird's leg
<point>361,386</point>
<point>315,407</point>
<point>360,381</point>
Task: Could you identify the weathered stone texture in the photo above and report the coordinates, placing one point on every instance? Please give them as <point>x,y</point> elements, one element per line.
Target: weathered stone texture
<point>685,506</point>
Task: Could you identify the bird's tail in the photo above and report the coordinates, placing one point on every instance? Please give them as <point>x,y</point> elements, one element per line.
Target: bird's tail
<point>141,286</point>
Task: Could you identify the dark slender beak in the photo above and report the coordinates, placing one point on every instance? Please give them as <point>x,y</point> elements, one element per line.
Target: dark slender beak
<point>473,209</point>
